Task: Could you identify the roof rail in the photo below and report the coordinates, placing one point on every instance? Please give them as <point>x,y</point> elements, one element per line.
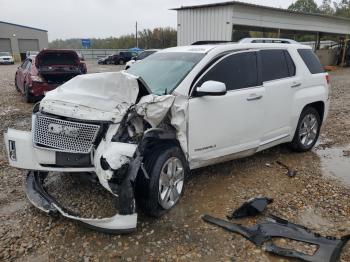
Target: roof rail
<point>247,41</point>
<point>210,42</point>
<point>267,40</point>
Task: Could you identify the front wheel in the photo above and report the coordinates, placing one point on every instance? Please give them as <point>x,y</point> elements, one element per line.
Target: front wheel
<point>167,169</point>
<point>307,131</point>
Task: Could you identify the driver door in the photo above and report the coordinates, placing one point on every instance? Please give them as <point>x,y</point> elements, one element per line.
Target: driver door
<point>220,126</point>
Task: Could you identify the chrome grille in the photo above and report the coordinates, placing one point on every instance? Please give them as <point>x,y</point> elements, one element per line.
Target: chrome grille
<point>66,136</point>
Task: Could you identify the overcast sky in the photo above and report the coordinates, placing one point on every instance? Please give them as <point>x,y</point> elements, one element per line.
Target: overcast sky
<point>101,18</point>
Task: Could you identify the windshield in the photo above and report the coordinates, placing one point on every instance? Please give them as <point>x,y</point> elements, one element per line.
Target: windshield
<point>5,54</point>
<point>162,72</point>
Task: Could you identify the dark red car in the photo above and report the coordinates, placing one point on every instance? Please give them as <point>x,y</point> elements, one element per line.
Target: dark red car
<point>44,72</point>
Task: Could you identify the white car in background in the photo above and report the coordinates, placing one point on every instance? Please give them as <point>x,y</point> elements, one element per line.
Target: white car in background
<point>142,130</point>
<point>31,53</point>
<point>140,57</point>
<point>6,58</point>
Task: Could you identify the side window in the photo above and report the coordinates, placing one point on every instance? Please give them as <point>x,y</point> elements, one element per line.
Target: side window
<point>29,64</point>
<point>311,61</point>
<point>24,65</point>
<point>290,63</point>
<point>236,71</point>
<point>275,65</point>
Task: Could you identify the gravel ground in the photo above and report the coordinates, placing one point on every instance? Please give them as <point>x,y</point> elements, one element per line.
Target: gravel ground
<point>318,197</point>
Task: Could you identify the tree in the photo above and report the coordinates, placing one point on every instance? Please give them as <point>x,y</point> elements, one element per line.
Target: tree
<point>306,6</point>
<point>342,8</point>
<point>326,7</point>
<point>156,38</point>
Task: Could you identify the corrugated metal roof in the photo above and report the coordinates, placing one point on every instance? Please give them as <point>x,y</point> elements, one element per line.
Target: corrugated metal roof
<point>257,6</point>
<point>2,22</point>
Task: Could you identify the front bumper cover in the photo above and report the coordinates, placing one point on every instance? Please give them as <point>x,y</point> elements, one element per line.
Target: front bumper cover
<point>37,195</point>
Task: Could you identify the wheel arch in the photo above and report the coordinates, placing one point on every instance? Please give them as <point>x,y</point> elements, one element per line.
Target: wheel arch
<point>319,106</point>
<point>158,137</point>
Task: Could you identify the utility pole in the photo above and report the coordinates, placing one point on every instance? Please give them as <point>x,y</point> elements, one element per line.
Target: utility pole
<point>137,41</point>
<point>162,37</point>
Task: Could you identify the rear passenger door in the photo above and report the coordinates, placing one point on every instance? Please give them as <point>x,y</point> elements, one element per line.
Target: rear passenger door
<point>280,82</point>
<point>223,125</point>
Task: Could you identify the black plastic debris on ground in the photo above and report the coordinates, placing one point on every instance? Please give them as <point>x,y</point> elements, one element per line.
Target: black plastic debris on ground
<point>290,172</point>
<point>252,207</point>
<point>262,234</point>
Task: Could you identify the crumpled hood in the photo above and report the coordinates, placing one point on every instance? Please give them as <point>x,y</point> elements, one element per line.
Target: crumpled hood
<point>101,96</point>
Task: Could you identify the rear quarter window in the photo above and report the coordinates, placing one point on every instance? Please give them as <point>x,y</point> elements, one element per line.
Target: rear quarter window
<point>311,61</point>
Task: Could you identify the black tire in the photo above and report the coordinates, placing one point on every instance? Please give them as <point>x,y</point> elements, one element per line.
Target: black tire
<point>297,143</point>
<point>147,190</point>
<point>27,95</point>
<point>17,88</point>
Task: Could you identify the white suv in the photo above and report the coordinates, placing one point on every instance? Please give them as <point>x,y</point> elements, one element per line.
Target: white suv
<point>142,130</point>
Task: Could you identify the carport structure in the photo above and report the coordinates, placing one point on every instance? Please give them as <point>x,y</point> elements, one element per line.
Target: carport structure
<point>232,21</point>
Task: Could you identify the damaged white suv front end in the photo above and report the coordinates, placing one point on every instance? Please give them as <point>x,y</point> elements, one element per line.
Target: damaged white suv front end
<point>141,130</point>
<point>95,123</point>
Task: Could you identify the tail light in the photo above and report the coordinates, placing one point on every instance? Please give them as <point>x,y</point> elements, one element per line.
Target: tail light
<point>37,79</point>
<point>328,78</point>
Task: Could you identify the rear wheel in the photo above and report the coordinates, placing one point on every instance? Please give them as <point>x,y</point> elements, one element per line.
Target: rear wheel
<point>27,95</point>
<point>16,85</point>
<point>167,169</point>
<point>307,131</point>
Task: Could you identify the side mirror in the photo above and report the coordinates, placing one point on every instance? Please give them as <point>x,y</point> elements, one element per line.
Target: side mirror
<point>211,88</point>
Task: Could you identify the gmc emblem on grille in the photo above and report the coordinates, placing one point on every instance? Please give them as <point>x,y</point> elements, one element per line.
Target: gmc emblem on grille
<point>63,130</point>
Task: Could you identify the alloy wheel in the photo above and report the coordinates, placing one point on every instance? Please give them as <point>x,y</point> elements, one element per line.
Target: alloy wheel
<point>308,130</point>
<point>171,182</point>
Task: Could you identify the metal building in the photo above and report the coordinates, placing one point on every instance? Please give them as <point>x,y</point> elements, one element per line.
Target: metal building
<point>232,21</point>
<point>19,39</point>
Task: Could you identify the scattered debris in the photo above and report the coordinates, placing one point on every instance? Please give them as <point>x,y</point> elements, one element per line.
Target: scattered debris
<point>290,172</point>
<point>252,207</point>
<point>120,223</point>
<point>262,234</point>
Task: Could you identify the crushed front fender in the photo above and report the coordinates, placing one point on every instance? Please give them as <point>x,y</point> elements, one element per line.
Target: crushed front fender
<point>39,197</point>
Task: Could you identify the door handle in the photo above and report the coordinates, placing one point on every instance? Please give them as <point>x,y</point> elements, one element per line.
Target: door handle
<point>253,97</point>
<point>295,85</point>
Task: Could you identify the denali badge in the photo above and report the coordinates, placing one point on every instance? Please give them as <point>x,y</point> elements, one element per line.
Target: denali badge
<point>63,130</point>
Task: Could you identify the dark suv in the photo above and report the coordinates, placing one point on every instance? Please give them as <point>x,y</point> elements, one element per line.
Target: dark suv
<point>119,58</point>
<point>122,57</point>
